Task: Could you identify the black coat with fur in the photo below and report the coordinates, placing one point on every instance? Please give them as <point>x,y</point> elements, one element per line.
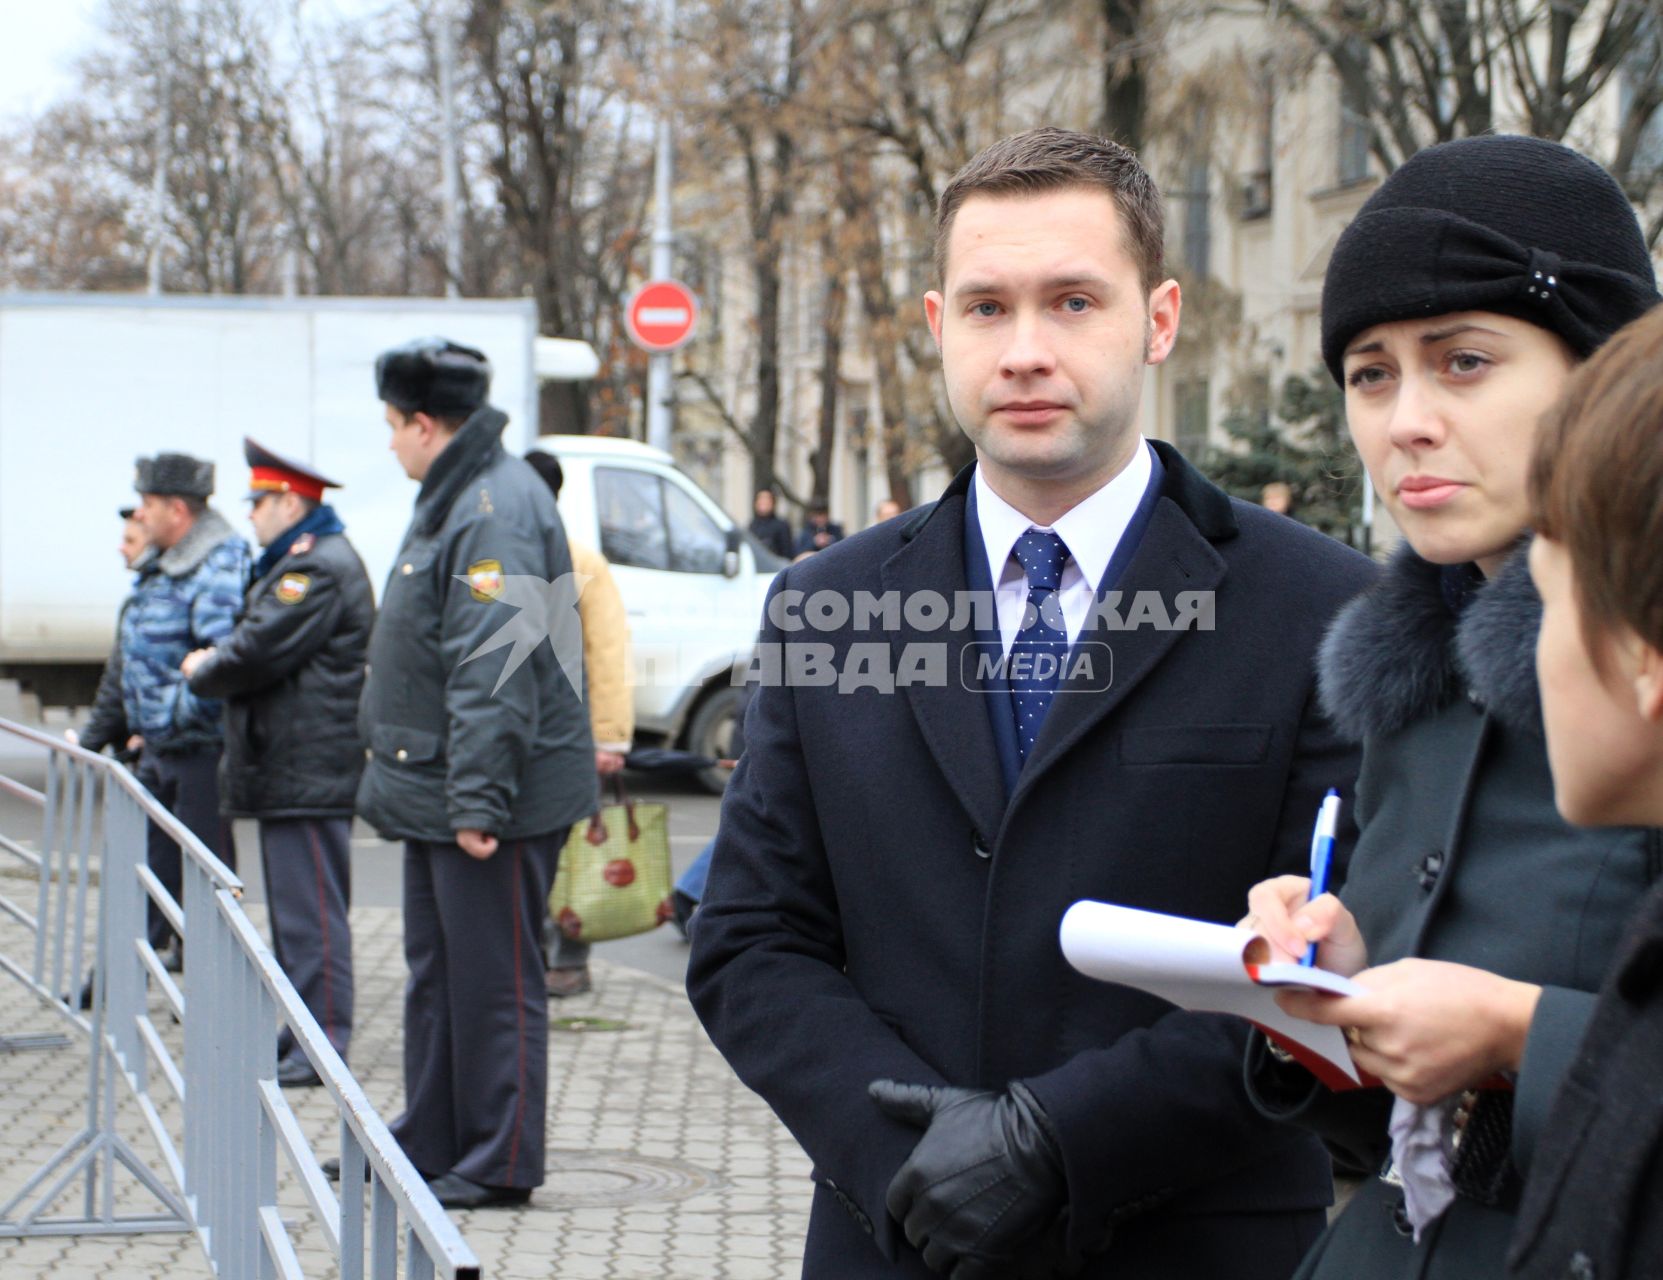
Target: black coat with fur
<point>1461,857</point>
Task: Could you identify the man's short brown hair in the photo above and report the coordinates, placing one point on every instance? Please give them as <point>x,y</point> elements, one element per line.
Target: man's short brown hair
<point>1045,160</point>
<point>1596,484</point>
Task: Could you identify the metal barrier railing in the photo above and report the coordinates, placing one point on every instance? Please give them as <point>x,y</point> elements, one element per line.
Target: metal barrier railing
<point>220,1171</point>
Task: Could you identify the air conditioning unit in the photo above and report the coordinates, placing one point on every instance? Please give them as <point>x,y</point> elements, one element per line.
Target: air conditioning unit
<point>1253,194</point>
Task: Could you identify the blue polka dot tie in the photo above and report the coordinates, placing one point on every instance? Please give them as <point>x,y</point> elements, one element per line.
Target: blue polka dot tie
<point>1036,658</point>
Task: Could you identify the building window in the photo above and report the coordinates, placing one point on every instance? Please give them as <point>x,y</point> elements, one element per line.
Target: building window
<point>1198,219</point>
<point>1355,130</point>
<point>1191,404</point>
<point>1257,192</point>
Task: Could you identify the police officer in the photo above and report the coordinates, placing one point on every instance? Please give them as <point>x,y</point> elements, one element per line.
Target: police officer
<point>188,602</point>
<point>291,675</point>
<point>107,722</point>
<point>480,761</point>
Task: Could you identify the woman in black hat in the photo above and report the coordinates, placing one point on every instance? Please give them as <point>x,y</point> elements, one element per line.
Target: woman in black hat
<point>1454,309</point>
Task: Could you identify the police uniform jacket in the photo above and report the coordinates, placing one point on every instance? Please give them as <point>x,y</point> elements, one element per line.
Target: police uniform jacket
<point>291,674</point>
<point>1590,1210</point>
<point>880,904</point>
<point>456,741</point>
<point>189,602</point>
<point>1461,857</point>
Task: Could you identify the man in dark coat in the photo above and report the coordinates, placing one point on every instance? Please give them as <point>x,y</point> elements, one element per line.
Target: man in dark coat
<point>819,531</point>
<point>291,675</point>
<point>479,764</point>
<point>876,952</point>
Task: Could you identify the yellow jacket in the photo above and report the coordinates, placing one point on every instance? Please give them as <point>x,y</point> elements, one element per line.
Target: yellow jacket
<point>605,651</point>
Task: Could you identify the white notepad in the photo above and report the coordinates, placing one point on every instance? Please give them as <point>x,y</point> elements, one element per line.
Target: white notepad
<point>1208,967</point>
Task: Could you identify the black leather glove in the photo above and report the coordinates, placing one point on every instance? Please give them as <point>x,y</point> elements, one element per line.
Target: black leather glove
<point>984,1186</point>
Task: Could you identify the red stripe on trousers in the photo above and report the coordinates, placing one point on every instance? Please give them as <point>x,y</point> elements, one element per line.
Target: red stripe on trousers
<point>519,1030</point>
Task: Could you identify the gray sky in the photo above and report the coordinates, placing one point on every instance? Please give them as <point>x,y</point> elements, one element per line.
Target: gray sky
<point>42,39</point>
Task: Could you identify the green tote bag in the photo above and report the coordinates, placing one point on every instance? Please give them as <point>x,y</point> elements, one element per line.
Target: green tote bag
<point>614,874</point>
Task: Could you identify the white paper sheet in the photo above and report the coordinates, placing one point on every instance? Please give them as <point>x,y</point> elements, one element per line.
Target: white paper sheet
<point>1198,965</point>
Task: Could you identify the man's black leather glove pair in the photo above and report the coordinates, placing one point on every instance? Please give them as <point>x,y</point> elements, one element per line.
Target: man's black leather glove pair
<point>981,1193</point>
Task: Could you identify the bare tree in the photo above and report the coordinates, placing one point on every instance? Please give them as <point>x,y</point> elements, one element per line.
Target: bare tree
<point>193,69</point>
<point>1415,73</point>
<point>858,197</point>
<point>187,129</point>
<point>922,88</point>
<point>569,166</point>
<point>833,313</point>
<point>334,157</point>
<point>743,95</point>
<point>64,220</point>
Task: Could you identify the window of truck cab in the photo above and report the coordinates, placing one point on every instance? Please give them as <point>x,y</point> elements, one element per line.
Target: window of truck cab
<point>649,522</point>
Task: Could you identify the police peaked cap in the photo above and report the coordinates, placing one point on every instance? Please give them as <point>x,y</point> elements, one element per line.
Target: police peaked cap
<point>273,473</point>
<point>434,376</point>
<point>174,475</point>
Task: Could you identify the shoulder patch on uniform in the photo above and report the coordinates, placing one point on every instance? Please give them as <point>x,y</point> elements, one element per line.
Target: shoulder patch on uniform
<point>304,543</point>
<point>292,587</point>
<point>485,579</point>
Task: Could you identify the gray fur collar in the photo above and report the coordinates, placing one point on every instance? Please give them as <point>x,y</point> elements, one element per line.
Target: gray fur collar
<point>1398,652</point>
<point>184,556</point>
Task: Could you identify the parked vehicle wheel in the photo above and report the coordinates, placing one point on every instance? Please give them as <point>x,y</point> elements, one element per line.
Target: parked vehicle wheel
<point>712,734</point>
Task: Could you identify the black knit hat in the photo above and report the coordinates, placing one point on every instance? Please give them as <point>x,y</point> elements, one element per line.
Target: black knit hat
<point>1519,226</point>
<point>434,376</point>
<point>174,475</point>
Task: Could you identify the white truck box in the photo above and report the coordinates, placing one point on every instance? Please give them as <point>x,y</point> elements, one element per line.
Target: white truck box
<point>90,382</point>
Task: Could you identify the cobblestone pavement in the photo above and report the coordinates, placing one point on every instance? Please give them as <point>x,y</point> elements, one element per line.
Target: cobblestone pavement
<point>661,1164</point>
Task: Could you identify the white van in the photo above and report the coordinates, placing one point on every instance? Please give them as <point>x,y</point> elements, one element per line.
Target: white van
<point>692,580</point>
<point>89,381</point>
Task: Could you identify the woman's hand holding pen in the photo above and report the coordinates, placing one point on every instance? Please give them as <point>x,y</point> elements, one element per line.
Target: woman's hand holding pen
<point>1426,1028</point>
<point>1278,912</point>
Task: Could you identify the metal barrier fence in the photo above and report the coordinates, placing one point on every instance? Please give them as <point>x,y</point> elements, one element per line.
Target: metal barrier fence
<point>220,1174</point>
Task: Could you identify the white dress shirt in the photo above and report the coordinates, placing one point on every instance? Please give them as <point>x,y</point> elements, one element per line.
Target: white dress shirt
<point>1091,530</point>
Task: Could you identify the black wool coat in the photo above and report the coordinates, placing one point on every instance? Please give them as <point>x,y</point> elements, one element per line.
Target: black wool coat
<point>1593,1208</point>
<point>878,906</point>
<point>1461,857</point>
<point>291,674</point>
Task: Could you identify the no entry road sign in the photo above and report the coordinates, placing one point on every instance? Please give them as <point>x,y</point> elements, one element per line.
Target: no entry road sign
<point>661,316</point>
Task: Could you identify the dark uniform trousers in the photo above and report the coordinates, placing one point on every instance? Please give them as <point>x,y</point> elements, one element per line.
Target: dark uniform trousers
<point>307,865</point>
<point>187,785</point>
<point>476,1011</point>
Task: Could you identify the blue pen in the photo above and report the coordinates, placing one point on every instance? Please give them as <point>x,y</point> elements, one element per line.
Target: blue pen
<point>1322,857</point>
